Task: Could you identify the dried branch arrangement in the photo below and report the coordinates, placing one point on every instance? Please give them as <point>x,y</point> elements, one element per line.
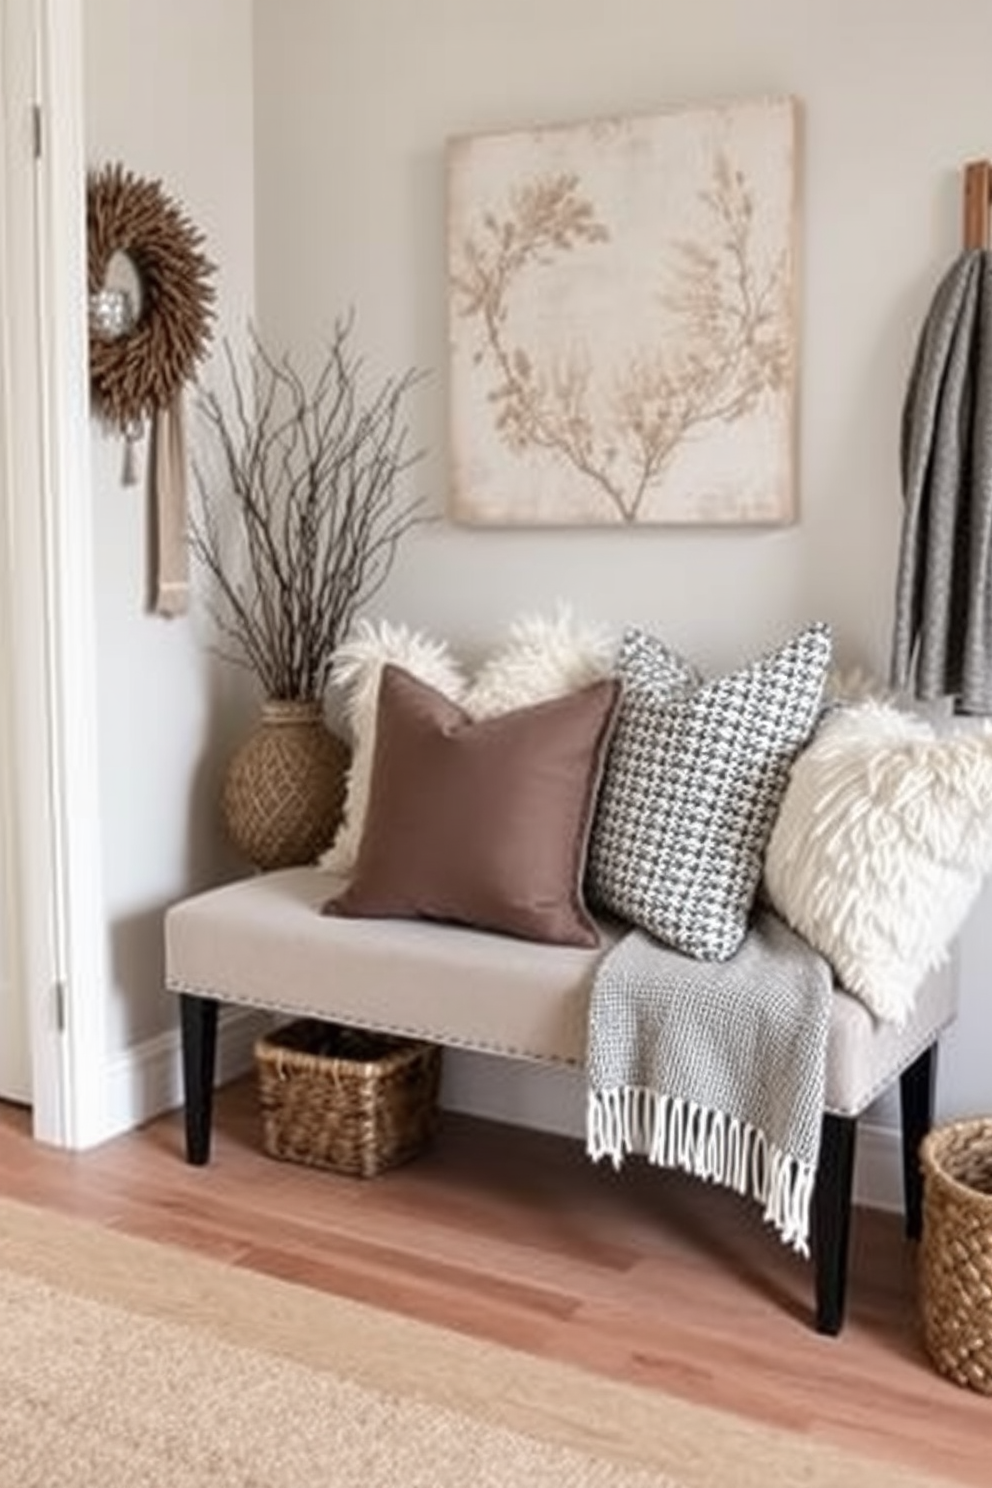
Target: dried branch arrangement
<point>132,375</point>
<point>298,525</point>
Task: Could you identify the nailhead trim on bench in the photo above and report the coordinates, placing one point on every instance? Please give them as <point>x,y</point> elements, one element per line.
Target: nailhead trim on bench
<point>406,1030</point>
<point>440,1036</point>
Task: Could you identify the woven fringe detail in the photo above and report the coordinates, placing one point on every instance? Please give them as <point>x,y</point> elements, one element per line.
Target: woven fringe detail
<point>676,1133</point>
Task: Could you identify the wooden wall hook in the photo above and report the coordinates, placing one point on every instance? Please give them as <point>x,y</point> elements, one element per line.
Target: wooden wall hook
<point>977,199</point>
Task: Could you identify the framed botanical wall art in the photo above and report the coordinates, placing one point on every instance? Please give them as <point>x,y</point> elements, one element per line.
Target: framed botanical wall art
<point>622,319</point>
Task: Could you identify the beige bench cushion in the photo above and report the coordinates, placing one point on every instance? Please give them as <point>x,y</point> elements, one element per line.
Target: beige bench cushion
<point>262,942</point>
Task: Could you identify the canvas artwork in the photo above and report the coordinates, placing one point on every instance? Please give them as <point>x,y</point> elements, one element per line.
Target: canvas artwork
<point>622,319</point>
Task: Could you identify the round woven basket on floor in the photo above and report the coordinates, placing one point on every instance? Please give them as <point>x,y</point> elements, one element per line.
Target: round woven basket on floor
<point>956,1252</point>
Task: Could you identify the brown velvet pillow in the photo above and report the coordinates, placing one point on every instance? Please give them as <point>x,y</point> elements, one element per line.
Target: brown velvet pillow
<point>482,822</point>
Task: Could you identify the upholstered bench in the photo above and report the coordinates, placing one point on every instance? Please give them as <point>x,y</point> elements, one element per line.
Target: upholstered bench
<point>262,942</point>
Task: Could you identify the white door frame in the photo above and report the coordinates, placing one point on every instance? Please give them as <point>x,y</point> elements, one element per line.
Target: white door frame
<point>63,951</point>
<point>19,473</point>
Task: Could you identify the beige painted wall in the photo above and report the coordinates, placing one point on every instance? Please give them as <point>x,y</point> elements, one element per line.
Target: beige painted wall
<point>354,102</point>
<point>168,87</point>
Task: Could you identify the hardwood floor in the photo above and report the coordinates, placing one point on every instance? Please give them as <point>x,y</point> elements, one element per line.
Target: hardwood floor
<point>515,1236</point>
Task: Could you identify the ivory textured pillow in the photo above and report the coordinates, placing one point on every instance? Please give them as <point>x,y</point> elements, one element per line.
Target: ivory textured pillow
<point>484,823</point>
<point>693,780</point>
<point>880,847</point>
<point>543,657</point>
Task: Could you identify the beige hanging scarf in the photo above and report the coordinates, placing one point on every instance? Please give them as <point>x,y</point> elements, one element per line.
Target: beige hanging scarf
<point>171,577</point>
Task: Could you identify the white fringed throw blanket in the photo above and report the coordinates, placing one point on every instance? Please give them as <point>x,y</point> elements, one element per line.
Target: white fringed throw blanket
<point>717,1068</point>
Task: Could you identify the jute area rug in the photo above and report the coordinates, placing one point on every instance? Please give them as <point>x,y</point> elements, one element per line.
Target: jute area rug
<point>126,1364</point>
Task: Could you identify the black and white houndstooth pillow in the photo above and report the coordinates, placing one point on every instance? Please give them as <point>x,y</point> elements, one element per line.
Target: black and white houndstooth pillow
<point>693,782</point>
<point>645,662</point>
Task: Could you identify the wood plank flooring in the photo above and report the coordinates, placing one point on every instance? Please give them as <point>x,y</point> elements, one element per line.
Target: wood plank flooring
<point>515,1236</point>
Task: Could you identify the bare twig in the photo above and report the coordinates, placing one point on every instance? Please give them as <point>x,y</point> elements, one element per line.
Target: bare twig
<point>300,524</point>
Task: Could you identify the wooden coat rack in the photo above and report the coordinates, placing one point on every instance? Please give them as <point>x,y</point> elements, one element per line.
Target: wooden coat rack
<point>977,201</point>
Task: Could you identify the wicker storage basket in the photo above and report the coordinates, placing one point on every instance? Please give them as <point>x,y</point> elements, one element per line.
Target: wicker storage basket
<point>956,1253</point>
<point>345,1099</point>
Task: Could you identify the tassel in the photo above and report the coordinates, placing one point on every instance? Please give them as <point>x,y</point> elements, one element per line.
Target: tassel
<point>132,434</point>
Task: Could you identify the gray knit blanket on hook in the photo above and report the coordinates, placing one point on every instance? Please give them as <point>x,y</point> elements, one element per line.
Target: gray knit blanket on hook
<point>717,1068</point>
<point>942,631</point>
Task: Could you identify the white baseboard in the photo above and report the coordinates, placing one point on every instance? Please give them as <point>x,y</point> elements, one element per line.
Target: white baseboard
<point>878,1167</point>
<point>146,1080</point>
<point>553,1100</point>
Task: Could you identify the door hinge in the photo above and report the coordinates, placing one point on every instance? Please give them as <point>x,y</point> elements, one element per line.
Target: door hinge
<point>36,129</point>
<point>59,992</point>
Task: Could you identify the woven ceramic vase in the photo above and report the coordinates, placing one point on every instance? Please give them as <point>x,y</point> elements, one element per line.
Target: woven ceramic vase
<point>284,788</point>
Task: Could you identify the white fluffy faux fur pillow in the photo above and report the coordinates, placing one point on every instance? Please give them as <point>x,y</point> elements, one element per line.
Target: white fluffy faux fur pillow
<point>358,664</point>
<point>543,658</point>
<point>880,847</point>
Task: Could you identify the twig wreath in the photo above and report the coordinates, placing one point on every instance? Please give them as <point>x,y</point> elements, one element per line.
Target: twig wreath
<point>141,366</point>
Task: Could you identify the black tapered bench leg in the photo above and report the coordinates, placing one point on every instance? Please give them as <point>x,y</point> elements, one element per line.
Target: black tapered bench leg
<point>198,1026</point>
<point>832,1219</point>
<point>916,1094</point>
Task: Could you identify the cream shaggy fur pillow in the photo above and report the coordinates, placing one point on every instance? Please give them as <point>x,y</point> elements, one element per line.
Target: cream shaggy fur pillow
<point>543,658</point>
<point>358,664</point>
<point>880,847</point>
